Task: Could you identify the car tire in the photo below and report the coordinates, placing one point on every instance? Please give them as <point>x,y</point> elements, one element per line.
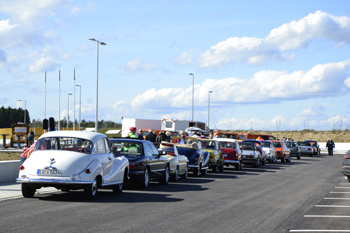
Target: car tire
<point>145,180</point>
<point>288,160</point>
<point>257,163</point>
<point>118,188</point>
<point>91,190</point>
<point>214,168</point>
<point>196,171</point>
<point>221,168</point>
<point>27,191</point>
<point>204,171</point>
<point>175,177</point>
<point>298,157</point>
<point>65,190</point>
<point>165,177</point>
<point>348,178</point>
<point>185,175</point>
<point>282,160</point>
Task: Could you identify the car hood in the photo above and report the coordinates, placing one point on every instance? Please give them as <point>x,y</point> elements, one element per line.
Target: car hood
<point>67,161</point>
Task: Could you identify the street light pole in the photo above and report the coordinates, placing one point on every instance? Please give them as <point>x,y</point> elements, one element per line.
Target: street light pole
<point>98,44</point>
<point>209,108</point>
<point>192,94</point>
<point>25,109</point>
<point>79,104</point>
<point>68,111</point>
<point>74,102</point>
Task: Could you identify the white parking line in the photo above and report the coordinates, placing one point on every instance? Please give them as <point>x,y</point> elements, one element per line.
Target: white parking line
<point>337,206</point>
<point>336,198</point>
<point>319,231</point>
<point>326,216</point>
<point>342,187</point>
<point>339,192</point>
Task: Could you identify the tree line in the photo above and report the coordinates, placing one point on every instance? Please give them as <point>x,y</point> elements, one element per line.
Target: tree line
<point>14,115</point>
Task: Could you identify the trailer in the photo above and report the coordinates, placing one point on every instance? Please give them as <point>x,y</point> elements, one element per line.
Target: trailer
<point>177,125</point>
<point>139,124</point>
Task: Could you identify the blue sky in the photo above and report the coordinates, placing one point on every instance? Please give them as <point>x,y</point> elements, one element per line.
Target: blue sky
<point>273,65</point>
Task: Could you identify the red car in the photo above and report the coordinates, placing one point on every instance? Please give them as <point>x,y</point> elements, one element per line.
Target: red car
<point>231,152</point>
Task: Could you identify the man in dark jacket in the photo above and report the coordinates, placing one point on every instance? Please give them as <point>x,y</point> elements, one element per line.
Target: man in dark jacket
<point>330,145</point>
<point>151,136</point>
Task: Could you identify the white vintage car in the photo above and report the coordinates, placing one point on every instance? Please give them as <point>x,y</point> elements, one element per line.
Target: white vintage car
<point>69,160</point>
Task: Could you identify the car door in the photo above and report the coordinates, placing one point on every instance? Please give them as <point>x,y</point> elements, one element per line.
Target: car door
<point>104,155</point>
<point>153,160</point>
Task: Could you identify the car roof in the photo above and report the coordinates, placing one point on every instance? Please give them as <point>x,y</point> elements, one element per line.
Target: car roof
<point>225,139</point>
<point>92,136</point>
<point>252,140</point>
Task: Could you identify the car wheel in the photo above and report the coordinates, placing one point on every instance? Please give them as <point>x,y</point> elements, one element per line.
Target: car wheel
<point>91,190</point>
<point>175,177</point>
<point>27,191</point>
<point>348,178</point>
<point>196,171</point>
<point>257,163</point>
<point>145,181</point>
<point>274,160</point>
<point>204,171</point>
<point>184,176</point>
<point>237,166</point>
<point>288,160</point>
<point>221,168</point>
<point>118,188</point>
<point>214,168</point>
<point>165,177</point>
<point>282,160</point>
<point>298,157</point>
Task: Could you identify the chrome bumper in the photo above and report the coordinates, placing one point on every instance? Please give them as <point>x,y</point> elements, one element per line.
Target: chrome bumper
<point>51,181</point>
<point>231,162</point>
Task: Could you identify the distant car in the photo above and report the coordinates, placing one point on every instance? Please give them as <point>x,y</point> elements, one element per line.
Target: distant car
<point>69,160</point>
<point>282,151</point>
<point>315,146</point>
<point>345,169</point>
<point>258,144</point>
<point>294,149</point>
<point>231,152</point>
<point>216,159</point>
<point>178,163</point>
<point>270,151</point>
<point>145,161</point>
<point>306,148</point>
<point>250,154</point>
<point>198,159</point>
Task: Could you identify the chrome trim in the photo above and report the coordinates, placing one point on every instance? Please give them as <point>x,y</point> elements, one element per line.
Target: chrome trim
<point>231,161</point>
<point>51,181</point>
<point>193,166</point>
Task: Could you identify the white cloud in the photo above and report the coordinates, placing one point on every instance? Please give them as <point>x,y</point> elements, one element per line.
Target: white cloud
<point>279,44</point>
<point>322,80</point>
<point>136,65</point>
<point>184,58</point>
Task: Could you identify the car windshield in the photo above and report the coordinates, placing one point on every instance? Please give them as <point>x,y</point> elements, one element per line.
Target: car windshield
<point>133,149</point>
<point>304,144</point>
<point>246,146</point>
<point>291,144</point>
<point>266,144</point>
<point>277,144</point>
<point>227,145</point>
<point>208,145</point>
<point>64,143</point>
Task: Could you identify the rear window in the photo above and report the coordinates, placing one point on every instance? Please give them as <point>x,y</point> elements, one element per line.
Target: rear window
<point>133,149</point>
<point>304,144</point>
<point>64,143</point>
<point>277,144</point>
<point>291,144</point>
<point>246,146</point>
<point>227,145</point>
<point>266,144</point>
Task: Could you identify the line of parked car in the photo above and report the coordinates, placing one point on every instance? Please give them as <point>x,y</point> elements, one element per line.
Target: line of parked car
<point>70,160</point>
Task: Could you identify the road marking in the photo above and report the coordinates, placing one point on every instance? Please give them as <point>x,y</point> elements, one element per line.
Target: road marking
<point>342,187</point>
<point>337,206</point>
<point>339,192</point>
<point>336,198</point>
<point>319,231</point>
<point>326,216</point>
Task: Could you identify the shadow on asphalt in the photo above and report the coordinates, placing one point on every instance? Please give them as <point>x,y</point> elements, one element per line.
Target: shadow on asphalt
<point>107,196</point>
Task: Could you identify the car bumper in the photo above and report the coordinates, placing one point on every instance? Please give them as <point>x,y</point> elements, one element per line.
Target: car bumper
<point>47,182</point>
<point>249,161</point>
<point>227,161</point>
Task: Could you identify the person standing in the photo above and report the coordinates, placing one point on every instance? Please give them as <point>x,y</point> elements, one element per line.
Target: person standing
<point>330,145</point>
<point>151,136</point>
<point>132,133</point>
<point>140,134</point>
<point>168,137</point>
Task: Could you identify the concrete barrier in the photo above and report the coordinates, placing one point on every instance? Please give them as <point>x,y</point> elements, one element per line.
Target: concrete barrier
<point>9,170</point>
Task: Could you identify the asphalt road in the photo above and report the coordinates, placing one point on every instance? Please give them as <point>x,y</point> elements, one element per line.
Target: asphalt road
<point>274,198</point>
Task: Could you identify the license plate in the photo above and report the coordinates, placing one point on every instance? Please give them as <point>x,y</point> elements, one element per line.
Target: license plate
<point>48,172</point>
<point>225,155</point>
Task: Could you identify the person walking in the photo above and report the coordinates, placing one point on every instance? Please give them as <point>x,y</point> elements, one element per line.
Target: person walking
<point>330,145</point>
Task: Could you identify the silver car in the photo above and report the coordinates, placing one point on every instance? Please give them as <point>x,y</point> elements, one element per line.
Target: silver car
<point>305,148</point>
